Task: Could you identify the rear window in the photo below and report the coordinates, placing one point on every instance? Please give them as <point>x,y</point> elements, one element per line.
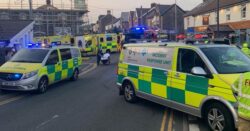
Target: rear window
<point>75,52</point>
<point>101,39</point>
<point>109,39</point>
<point>65,54</point>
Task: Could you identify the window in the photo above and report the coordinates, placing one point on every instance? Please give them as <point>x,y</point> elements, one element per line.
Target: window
<point>101,39</point>
<point>22,16</point>
<point>4,16</point>
<point>227,60</point>
<point>228,14</point>
<point>75,52</point>
<point>243,11</point>
<point>30,55</point>
<point>187,59</point>
<point>53,58</point>
<point>188,22</point>
<point>109,38</point>
<point>65,54</point>
<point>205,20</point>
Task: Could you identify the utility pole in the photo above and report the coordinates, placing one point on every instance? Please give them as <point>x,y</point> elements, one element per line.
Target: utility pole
<point>218,18</point>
<point>30,9</point>
<point>176,28</point>
<point>140,17</point>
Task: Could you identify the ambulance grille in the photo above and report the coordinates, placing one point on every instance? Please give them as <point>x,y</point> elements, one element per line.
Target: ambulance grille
<point>10,76</point>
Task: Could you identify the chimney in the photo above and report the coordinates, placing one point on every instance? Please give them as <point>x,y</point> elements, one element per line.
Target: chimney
<point>109,12</point>
<point>153,5</point>
<point>48,2</point>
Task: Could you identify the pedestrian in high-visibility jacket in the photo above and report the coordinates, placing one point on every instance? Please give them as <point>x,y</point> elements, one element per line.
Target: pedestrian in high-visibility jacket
<point>244,102</point>
<point>245,49</point>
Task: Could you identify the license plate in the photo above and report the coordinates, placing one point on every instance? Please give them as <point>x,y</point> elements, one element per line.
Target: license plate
<point>8,83</point>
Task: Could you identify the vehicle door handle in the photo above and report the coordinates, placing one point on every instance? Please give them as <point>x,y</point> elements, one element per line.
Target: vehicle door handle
<point>177,75</point>
<point>211,86</point>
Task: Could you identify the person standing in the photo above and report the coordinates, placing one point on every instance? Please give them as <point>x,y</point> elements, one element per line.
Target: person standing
<point>244,102</point>
<point>99,56</point>
<point>245,49</point>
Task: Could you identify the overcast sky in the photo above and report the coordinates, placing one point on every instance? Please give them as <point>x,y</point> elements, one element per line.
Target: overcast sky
<point>97,7</point>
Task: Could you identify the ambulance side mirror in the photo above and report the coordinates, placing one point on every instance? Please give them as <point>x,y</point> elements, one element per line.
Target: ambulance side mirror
<point>198,71</point>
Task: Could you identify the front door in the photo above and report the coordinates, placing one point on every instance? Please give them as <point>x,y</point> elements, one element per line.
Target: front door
<point>187,88</point>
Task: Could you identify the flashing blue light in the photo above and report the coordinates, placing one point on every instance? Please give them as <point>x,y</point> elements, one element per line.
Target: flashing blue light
<point>17,76</point>
<point>30,44</point>
<point>137,28</point>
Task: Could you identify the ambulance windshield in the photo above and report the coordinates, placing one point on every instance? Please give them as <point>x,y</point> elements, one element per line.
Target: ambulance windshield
<point>30,56</point>
<point>227,60</point>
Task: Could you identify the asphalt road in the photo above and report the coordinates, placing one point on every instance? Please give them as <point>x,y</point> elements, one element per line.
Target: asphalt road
<point>90,104</point>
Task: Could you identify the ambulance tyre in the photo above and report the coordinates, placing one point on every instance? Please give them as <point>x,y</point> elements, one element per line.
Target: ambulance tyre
<point>75,75</point>
<point>129,93</point>
<point>43,85</point>
<point>218,117</point>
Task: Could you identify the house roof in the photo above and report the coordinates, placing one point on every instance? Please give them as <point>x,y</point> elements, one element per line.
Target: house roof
<point>163,8</point>
<point>9,28</point>
<point>224,28</point>
<point>240,25</point>
<point>210,5</point>
<point>141,11</point>
<point>107,19</point>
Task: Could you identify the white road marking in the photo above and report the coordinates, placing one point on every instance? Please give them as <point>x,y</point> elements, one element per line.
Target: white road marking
<point>46,122</point>
<point>194,127</point>
<point>85,72</point>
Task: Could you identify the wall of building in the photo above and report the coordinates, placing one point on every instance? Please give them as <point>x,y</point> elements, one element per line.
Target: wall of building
<point>23,38</point>
<point>235,15</point>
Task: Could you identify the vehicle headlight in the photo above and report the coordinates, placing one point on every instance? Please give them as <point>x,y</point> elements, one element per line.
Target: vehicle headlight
<point>30,74</point>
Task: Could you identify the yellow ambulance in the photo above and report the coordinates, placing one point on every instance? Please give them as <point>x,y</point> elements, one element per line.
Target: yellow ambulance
<point>105,42</point>
<point>195,79</point>
<point>36,69</point>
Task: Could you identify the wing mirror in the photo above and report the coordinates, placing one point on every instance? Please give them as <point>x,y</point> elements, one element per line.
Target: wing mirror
<point>198,71</point>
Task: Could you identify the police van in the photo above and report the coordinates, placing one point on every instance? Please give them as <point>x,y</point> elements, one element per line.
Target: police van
<point>36,69</point>
<point>195,79</point>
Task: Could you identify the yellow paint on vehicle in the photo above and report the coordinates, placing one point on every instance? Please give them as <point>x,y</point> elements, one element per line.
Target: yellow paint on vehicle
<point>18,67</point>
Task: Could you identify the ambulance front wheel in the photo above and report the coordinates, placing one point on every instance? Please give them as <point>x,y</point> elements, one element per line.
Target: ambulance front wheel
<point>129,93</point>
<point>43,85</point>
<point>219,118</point>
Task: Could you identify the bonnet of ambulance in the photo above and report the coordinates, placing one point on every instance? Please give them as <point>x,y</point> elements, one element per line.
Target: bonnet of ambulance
<point>230,64</point>
<point>25,64</point>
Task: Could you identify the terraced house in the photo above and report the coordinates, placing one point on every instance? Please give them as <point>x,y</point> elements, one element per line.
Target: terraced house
<point>234,19</point>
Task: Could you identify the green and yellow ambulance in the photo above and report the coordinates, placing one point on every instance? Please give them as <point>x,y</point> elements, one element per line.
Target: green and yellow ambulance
<point>105,42</point>
<point>195,79</point>
<point>36,69</point>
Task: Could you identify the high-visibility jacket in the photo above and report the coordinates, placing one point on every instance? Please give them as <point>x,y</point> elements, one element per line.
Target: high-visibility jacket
<point>244,96</point>
<point>245,49</point>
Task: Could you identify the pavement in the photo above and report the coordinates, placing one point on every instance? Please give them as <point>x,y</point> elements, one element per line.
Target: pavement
<point>90,104</point>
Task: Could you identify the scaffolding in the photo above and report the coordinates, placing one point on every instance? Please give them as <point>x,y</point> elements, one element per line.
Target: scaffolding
<point>54,19</point>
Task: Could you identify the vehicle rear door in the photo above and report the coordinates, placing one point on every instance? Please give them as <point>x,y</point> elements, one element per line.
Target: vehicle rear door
<point>53,65</point>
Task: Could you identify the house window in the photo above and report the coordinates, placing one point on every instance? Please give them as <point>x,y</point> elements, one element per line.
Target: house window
<point>228,14</point>
<point>243,11</point>
<point>22,16</point>
<point>188,21</point>
<point>4,16</point>
<point>205,20</point>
